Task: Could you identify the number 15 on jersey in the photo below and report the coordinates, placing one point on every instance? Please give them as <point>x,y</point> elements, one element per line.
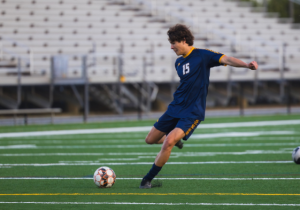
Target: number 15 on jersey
<point>186,68</point>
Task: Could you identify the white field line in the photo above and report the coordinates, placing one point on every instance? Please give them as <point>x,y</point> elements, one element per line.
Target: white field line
<point>263,138</point>
<point>148,128</point>
<point>90,136</point>
<point>33,146</point>
<point>141,163</point>
<point>98,141</point>
<point>90,178</point>
<point>240,134</point>
<point>160,204</point>
<point>141,155</point>
<point>129,136</point>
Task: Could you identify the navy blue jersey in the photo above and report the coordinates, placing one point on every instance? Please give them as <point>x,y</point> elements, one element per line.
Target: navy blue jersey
<point>193,70</point>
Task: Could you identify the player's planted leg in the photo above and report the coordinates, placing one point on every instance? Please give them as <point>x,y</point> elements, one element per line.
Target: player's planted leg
<point>162,157</point>
<point>146,182</point>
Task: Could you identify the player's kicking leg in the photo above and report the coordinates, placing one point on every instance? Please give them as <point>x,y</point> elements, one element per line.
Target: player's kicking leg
<point>163,156</point>
<point>158,137</point>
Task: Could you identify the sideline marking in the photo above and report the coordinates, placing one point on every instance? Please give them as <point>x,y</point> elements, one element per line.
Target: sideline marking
<point>63,140</point>
<point>161,204</point>
<point>89,178</point>
<point>248,194</point>
<point>142,155</point>
<point>240,134</point>
<point>33,146</point>
<point>142,163</point>
<point>148,128</point>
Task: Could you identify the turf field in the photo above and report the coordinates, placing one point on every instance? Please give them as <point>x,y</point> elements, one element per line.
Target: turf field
<point>228,163</point>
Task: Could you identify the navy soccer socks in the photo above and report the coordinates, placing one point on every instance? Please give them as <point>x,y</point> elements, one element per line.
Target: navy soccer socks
<point>153,172</point>
<point>146,182</point>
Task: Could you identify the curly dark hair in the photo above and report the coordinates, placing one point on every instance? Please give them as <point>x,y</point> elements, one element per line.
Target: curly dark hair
<point>180,33</point>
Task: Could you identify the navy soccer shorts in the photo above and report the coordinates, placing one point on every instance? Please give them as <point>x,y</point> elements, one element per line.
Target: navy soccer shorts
<point>167,123</point>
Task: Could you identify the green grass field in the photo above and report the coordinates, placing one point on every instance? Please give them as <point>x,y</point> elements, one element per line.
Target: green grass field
<point>228,163</point>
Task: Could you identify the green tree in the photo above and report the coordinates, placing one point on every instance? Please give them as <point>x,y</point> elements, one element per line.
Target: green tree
<point>283,8</point>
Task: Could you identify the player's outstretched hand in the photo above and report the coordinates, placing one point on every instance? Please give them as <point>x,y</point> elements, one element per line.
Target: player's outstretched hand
<point>253,65</point>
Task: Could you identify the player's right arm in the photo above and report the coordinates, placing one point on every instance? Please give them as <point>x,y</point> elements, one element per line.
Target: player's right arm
<point>231,61</point>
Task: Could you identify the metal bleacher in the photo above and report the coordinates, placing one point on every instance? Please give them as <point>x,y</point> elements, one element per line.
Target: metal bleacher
<point>128,39</point>
<point>253,36</point>
<point>77,28</point>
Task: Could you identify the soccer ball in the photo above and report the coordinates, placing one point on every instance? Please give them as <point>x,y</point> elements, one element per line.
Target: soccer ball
<point>104,177</point>
<point>296,155</point>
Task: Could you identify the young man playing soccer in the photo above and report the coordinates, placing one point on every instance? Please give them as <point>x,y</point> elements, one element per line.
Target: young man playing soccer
<point>187,109</point>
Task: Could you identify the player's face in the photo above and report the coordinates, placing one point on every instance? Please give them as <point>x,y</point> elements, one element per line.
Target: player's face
<point>178,47</point>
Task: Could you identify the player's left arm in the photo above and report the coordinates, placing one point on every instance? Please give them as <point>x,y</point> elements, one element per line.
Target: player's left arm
<point>231,61</point>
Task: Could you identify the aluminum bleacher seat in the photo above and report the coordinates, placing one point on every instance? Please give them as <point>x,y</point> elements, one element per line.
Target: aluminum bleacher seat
<point>85,26</point>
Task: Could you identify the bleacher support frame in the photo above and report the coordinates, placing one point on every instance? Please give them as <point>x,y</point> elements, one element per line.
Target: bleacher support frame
<point>145,92</point>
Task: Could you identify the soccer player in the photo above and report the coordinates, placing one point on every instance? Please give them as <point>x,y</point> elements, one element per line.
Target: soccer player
<point>187,109</point>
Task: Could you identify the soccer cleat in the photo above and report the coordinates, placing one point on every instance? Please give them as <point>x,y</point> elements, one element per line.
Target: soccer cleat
<point>145,184</point>
<point>179,144</point>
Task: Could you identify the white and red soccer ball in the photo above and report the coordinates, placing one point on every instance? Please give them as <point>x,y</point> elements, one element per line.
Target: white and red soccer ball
<point>296,155</point>
<point>104,177</point>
